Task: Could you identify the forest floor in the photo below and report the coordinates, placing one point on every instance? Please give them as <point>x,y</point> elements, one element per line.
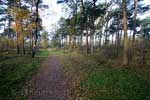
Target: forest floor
<point>15,72</point>
<point>63,75</point>
<point>96,77</point>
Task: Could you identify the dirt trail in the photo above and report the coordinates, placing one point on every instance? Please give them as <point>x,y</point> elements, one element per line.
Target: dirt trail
<point>50,83</point>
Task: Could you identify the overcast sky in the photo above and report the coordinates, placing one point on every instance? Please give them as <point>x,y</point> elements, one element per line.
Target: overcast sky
<point>51,16</point>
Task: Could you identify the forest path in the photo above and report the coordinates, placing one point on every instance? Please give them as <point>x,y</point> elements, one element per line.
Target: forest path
<point>50,83</point>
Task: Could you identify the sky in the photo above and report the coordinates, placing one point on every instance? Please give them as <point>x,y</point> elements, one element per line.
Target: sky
<point>51,16</point>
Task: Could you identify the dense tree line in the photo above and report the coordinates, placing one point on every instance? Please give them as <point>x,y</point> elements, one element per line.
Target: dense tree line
<point>113,26</point>
<point>21,25</point>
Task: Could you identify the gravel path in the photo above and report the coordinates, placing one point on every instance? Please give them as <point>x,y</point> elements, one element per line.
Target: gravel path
<point>50,83</point>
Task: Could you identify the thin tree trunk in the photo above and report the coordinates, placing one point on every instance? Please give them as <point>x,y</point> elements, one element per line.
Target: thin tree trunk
<point>117,43</point>
<point>92,41</point>
<point>81,41</point>
<point>100,38</point>
<point>132,39</point>
<point>17,35</point>
<point>23,42</point>
<point>87,44</point>
<point>143,46</point>
<point>74,42</point>
<point>125,44</point>
<point>24,52</point>
<point>121,38</point>
<point>106,35</point>
<point>66,44</point>
<point>112,42</point>
<point>70,42</point>
<point>93,30</point>
<point>31,40</point>
<point>36,30</point>
<point>118,35</point>
<point>134,25</point>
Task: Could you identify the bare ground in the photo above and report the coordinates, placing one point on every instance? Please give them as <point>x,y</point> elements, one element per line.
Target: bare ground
<point>50,83</point>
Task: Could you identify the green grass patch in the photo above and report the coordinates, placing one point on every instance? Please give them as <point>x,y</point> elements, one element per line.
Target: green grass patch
<point>42,53</point>
<point>52,51</point>
<point>60,52</point>
<point>99,81</point>
<point>114,84</point>
<point>15,71</point>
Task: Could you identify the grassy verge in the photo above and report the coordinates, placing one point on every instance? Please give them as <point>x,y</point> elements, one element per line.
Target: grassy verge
<point>94,78</point>
<point>15,70</point>
<point>60,52</point>
<point>42,53</point>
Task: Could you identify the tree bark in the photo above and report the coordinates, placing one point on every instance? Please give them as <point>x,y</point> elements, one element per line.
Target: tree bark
<point>135,14</point>
<point>93,30</point>
<point>125,44</point>
<point>81,41</point>
<point>36,30</point>
<point>66,41</point>
<point>23,46</point>
<point>17,36</point>
<point>106,33</point>
<point>87,43</point>
<point>70,42</point>
<point>92,41</point>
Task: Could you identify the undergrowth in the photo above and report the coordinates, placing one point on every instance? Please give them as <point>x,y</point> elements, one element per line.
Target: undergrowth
<point>15,71</point>
<point>96,77</point>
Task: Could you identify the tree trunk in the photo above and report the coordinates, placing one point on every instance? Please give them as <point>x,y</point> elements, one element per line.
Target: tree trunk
<point>106,34</point>
<point>125,44</point>
<point>143,46</point>
<point>70,42</point>
<point>81,41</point>
<point>23,46</point>
<point>121,38</point>
<point>100,38</point>
<point>17,33</point>
<point>93,30</point>
<point>74,42</point>
<point>117,42</point>
<point>66,44</point>
<point>92,41</point>
<point>112,40</point>
<point>87,44</point>
<point>36,30</point>
<point>135,14</point>
<point>118,35</point>
<point>22,34</point>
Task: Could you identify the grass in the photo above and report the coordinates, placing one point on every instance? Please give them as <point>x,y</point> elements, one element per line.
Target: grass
<point>94,77</point>
<point>42,53</point>
<point>113,84</point>
<point>60,52</point>
<point>99,80</point>
<point>50,52</point>
<point>15,71</point>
